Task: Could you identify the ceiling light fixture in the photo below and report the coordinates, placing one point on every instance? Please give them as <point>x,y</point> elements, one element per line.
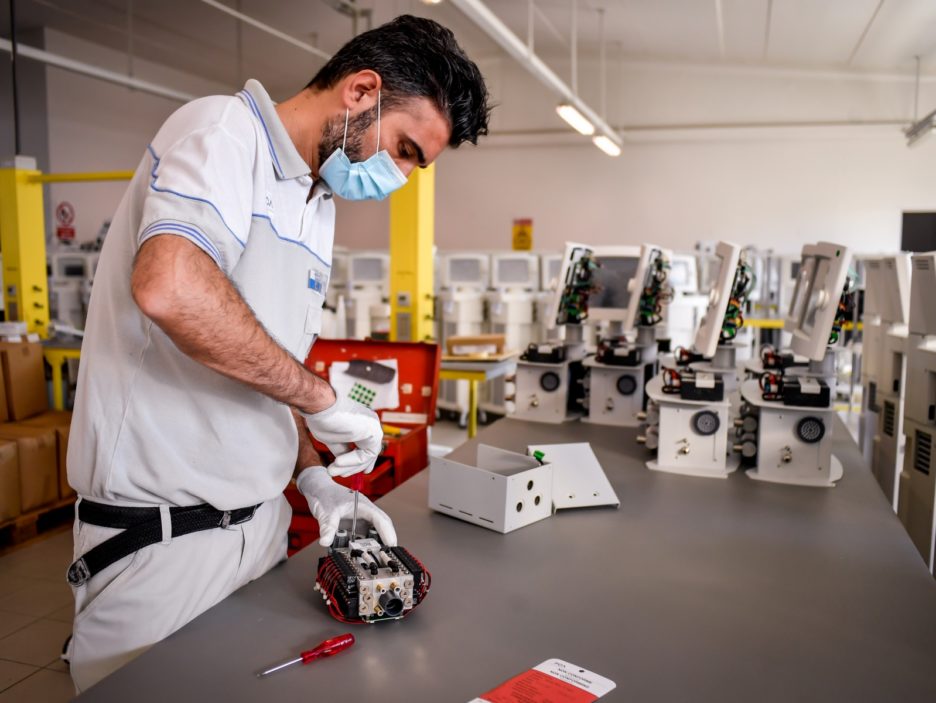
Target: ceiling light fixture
<point>606,144</point>
<point>575,119</point>
<point>921,129</point>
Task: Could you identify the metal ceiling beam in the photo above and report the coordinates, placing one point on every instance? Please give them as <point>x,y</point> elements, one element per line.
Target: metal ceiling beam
<point>487,21</point>
<point>87,69</point>
<point>864,34</point>
<point>272,31</point>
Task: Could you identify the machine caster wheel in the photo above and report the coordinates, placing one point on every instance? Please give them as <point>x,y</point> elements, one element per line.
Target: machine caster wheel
<point>483,418</point>
<point>463,421</point>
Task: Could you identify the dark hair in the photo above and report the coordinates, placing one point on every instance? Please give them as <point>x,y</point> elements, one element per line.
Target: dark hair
<point>416,57</point>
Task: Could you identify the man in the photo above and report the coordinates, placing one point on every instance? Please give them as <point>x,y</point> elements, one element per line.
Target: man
<point>193,405</point>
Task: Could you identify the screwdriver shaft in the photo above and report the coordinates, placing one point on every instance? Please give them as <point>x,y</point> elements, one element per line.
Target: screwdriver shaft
<point>354,515</point>
<point>278,667</point>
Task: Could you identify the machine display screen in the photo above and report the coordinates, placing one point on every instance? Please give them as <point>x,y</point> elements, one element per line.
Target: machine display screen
<point>514,272</point>
<point>74,270</point>
<point>820,282</point>
<point>804,279</point>
<point>465,270</point>
<point>612,278</point>
<point>367,270</point>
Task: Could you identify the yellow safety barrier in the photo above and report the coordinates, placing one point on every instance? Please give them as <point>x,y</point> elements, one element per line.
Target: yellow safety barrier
<point>769,323</point>
<point>81,177</point>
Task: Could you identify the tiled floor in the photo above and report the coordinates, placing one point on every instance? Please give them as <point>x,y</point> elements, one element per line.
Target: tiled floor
<point>35,619</point>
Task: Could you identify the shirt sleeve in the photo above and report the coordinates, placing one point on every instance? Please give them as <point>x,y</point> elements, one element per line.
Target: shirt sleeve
<point>201,188</point>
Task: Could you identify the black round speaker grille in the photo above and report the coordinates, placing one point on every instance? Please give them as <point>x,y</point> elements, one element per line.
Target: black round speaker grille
<point>705,422</point>
<point>626,385</point>
<point>549,381</point>
<point>810,430</point>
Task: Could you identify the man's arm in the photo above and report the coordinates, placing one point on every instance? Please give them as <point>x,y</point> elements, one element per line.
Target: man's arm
<point>182,290</point>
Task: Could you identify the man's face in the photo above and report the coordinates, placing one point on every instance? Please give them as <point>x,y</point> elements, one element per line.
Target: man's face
<point>413,132</point>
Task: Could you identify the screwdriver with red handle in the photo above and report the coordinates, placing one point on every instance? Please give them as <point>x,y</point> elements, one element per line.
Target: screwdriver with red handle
<point>328,648</point>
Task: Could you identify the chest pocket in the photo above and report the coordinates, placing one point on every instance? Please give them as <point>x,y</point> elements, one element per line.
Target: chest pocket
<point>317,285</point>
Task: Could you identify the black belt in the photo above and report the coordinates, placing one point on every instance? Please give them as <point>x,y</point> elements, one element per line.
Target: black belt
<point>141,528</point>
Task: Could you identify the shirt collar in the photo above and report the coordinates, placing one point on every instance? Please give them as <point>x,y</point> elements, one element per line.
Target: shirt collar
<point>286,159</point>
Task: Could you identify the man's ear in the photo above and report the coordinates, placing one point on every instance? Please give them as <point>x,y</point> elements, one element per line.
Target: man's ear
<point>359,90</point>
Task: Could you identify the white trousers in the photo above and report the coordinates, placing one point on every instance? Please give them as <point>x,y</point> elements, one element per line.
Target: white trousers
<point>143,598</point>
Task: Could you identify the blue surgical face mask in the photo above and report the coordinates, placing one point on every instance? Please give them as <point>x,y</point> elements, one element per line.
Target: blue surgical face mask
<point>373,179</point>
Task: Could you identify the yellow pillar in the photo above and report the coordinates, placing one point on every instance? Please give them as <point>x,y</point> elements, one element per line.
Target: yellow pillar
<point>412,230</point>
<point>22,244</point>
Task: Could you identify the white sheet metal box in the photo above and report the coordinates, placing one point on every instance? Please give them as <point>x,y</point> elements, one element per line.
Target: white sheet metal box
<point>499,490</point>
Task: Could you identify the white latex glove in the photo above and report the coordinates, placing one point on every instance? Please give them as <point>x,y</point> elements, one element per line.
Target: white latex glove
<point>330,502</point>
<point>345,422</point>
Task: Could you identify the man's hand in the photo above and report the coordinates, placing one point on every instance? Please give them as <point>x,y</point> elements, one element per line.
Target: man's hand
<point>182,290</point>
<point>307,455</point>
<point>330,502</point>
<point>345,422</point>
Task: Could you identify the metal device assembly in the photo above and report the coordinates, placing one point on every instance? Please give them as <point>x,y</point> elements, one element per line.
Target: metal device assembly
<point>364,581</point>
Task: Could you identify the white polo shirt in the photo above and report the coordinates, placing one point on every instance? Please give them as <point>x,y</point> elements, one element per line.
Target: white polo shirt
<point>150,424</point>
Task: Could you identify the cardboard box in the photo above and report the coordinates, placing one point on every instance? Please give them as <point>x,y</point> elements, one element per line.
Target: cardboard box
<point>38,464</point>
<point>60,421</point>
<point>4,413</point>
<point>10,504</point>
<point>24,378</point>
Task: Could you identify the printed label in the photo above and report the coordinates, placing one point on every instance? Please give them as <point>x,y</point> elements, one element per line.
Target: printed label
<point>553,681</point>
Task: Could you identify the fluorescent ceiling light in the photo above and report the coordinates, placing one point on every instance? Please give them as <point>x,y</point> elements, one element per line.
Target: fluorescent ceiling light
<point>431,2</point>
<point>918,130</point>
<point>606,144</point>
<point>575,119</point>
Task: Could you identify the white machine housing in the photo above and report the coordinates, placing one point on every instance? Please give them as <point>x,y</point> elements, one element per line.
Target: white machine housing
<point>887,458</point>
<point>464,278</point>
<point>691,436</point>
<point>817,301</point>
<point>794,442</point>
<point>616,381</point>
<point>368,288</point>
<point>706,339</point>
<point>511,307</point>
<point>872,346</point>
<point>546,390</point>
<point>70,280</point>
<point>917,496</point>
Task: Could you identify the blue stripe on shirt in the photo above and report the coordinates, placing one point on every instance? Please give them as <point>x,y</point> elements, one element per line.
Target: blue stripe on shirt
<point>287,239</point>
<point>187,197</point>
<point>175,227</point>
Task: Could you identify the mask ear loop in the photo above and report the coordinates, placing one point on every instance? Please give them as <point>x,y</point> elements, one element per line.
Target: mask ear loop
<point>377,150</point>
<point>344,141</point>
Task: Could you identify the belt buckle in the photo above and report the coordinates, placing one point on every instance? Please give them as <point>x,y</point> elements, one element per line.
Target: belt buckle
<point>78,573</point>
<point>226,517</point>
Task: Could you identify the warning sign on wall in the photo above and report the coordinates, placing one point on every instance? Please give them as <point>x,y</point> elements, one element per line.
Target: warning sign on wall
<point>522,235</point>
<point>65,221</point>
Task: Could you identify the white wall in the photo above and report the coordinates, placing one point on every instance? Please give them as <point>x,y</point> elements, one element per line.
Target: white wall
<point>98,126</point>
<point>774,187</point>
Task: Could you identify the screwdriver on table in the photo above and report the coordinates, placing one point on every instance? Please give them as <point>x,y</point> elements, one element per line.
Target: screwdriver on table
<point>357,482</point>
<point>327,648</point>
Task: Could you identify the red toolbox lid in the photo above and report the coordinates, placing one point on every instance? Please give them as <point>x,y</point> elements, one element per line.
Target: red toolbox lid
<point>417,378</point>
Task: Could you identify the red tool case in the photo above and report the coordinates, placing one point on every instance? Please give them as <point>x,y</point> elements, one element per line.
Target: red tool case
<point>404,454</point>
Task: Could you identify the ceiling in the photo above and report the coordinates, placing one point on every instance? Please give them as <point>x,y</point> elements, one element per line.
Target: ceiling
<point>859,35</point>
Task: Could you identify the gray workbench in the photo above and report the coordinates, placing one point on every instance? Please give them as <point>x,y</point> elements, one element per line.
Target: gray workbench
<point>694,590</point>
